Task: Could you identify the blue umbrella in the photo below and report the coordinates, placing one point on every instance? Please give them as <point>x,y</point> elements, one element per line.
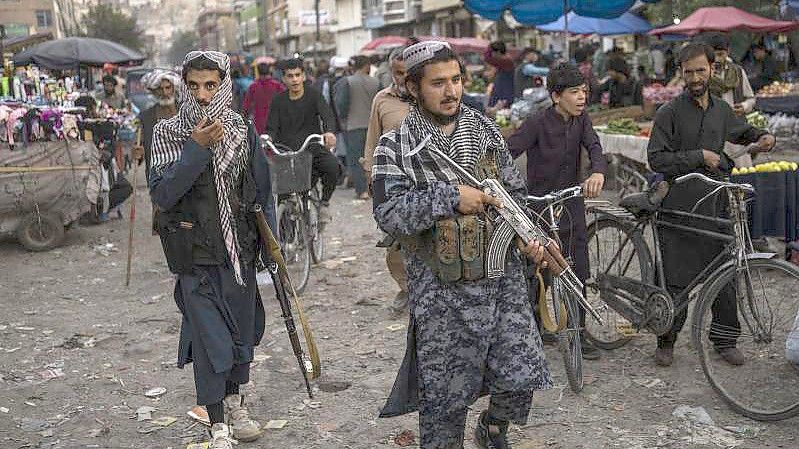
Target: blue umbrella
<point>627,23</point>
<point>538,12</point>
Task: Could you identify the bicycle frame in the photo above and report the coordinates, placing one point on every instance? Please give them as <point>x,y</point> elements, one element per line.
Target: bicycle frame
<point>738,251</point>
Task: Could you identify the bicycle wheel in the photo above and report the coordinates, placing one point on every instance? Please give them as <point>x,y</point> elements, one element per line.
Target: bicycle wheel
<point>570,346</point>
<point>293,241</point>
<point>316,229</point>
<point>766,387</point>
<point>614,248</point>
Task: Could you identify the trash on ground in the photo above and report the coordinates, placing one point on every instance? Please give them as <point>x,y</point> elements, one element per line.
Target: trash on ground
<point>4,409</point>
<point>155,392</point>
<point>106,249</point>
<point>144,413</point>
<point>405,438</point>
<point>395,327</point>
<point>203,445</point>
<point>276,424</point>
<point>648,383</point>
<point>52,373</point>
<point>79,341</point>
<point>164,421</point>
<point>33,424</point>
<point>696,415</point>
<point>333,386</point>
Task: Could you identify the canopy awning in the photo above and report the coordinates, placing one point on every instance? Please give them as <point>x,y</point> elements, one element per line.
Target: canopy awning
<point>627,23</point>
<point>725,18</point>
<point>539,12</point>
<point>71,52</point>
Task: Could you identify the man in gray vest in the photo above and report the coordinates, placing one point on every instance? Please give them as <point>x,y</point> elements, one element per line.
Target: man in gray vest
<point>353,98</point>
<point>730,83</point>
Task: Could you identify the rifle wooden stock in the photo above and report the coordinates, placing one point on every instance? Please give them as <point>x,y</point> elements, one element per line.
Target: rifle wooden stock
<point>281,279</point>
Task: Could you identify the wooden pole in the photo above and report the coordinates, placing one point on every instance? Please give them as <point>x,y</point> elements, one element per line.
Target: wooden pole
<point>21,169</point>
<point>132,211</point>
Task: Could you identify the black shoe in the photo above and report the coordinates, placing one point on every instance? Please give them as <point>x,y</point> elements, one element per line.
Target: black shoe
<point>484,439</point>
<point>590,352</point>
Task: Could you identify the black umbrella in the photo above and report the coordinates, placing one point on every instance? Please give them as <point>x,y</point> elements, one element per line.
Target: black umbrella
<point>71,52</point>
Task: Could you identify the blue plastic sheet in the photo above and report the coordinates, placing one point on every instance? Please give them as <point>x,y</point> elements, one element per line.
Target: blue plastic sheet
<point>539,12</point>
<point>627,23</point>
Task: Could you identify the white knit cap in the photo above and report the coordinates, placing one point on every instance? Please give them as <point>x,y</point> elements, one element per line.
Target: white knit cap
<point>421,52</point>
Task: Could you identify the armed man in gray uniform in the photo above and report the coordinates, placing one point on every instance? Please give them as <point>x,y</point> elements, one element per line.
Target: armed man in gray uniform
<point>468,335</point>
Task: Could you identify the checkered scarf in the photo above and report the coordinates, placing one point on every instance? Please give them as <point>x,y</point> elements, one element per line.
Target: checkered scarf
<point>474,136</point>
<point>229,155</point>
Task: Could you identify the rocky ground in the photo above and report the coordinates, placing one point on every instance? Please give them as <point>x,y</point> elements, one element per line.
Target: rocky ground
<point>78,351</point>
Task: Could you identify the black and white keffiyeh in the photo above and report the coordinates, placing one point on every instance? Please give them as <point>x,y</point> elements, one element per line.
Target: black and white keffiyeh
<point>405,155</point>
<point>229,155</point>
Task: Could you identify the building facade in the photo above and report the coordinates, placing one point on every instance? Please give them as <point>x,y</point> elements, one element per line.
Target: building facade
<point>446,18</point>
<point>28,17</point>
<point>217,29</point>
<point>291,26</point>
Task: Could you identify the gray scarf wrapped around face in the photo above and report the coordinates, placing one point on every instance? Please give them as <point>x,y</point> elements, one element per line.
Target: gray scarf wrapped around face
<point>229,155</point>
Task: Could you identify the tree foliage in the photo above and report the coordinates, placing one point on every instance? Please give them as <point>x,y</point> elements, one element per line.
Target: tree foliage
<point>106,22</point>
<point>183,43</point>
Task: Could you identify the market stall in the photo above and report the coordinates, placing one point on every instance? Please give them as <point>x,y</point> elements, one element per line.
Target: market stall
<point>774,210</point>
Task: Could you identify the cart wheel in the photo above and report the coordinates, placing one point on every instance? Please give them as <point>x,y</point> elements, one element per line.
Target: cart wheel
<point>40,232</point>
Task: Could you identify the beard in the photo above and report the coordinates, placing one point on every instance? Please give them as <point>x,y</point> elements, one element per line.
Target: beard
<point>168,101</point>
<point>697,91</point>
<point>440,119</point>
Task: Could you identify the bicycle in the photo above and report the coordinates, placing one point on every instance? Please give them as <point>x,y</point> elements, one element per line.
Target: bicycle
<point>629,289</point>
<point>300,231</point>
<point>558,308</point>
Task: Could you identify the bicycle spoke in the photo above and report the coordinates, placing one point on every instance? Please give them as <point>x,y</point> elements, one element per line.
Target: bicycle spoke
<point>766,387</point>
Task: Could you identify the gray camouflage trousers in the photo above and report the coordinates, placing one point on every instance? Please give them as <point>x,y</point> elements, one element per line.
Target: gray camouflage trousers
<point>473,338</point>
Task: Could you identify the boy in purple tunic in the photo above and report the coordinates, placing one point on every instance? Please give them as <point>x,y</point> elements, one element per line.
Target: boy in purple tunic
<point>553,139</point>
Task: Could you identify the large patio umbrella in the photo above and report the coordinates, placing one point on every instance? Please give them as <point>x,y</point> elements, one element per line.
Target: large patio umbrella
<point>539,12</point>
<point>627,23</point>
<point>72,52</point>
<point>385,43</point>
<point>725,18</point>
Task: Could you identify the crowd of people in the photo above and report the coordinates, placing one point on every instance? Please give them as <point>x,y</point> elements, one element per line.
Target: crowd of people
<point>469,334</point>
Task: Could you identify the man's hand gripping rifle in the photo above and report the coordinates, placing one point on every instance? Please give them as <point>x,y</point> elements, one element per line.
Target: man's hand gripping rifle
<point>514,221</point>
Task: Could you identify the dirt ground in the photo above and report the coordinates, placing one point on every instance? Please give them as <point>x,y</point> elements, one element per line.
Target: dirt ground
<point>78,351</point>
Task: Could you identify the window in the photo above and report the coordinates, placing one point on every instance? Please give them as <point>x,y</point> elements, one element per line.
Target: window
<point>44,18</point>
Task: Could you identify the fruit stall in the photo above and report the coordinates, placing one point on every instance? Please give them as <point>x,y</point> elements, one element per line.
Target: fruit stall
<point>774,210</point>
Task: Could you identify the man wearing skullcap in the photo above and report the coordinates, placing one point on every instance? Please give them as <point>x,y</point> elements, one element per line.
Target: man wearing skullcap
<point>208,175</point>
<point>468,335</point>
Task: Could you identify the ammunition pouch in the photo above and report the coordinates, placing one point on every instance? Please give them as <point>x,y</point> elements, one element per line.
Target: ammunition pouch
<point>454,248</point>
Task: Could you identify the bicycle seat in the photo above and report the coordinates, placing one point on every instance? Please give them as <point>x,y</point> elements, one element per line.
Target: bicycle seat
<point>645,203</point>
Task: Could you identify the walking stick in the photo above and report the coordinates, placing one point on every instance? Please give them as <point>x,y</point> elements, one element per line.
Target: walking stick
<point>132,211</point>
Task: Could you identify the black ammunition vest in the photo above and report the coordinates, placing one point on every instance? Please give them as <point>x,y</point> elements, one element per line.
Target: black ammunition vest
<point>191,232</point>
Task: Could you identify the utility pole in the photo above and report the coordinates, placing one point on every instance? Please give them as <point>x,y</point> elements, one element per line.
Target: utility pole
<point>265,25</point>
<point>318,34</point>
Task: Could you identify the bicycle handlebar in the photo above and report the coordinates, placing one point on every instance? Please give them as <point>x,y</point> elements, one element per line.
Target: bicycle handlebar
<point>557,196</point>
<point>266,140</point>
<point>713,182</point>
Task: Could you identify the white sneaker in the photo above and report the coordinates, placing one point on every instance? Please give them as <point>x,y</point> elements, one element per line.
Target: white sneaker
<point>220,437</point>
<point>242,427</point>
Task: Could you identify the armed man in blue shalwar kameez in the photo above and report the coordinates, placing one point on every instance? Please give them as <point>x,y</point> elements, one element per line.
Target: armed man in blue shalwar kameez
<point>207,174</point>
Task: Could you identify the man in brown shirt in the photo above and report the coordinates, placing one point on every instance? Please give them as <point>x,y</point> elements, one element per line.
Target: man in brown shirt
<point>389,108</point>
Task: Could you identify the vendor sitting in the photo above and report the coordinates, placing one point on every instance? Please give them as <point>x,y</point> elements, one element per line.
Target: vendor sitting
<point>623,90</point>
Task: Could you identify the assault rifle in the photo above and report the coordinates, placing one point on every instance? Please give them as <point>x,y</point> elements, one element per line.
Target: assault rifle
<point>280,277</point>
<point>513,221</point>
